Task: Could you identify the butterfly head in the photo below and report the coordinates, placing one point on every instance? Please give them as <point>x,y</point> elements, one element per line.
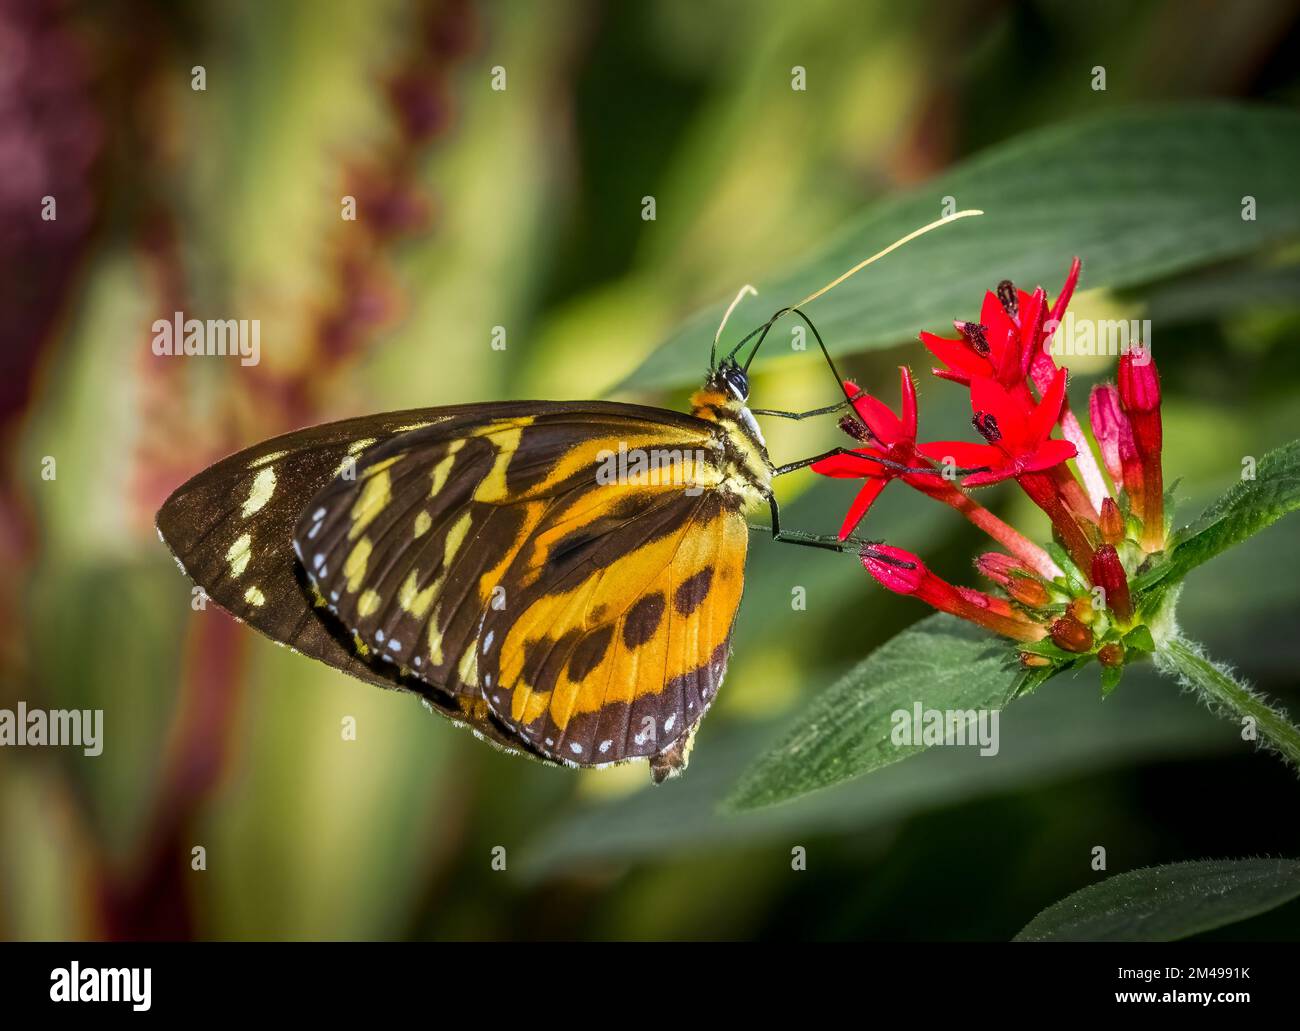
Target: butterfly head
<point>730,380</point>
<point>723,399</point>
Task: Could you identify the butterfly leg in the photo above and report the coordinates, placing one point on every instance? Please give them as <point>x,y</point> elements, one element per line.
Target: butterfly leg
<point>897,467</point>
<point>776,414</point>
<point>826,542</point>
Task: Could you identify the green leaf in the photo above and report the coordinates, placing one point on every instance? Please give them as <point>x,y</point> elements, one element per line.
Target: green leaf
<point>1245,287</point>
<point>1250,506</point>
<point>1048,649</point>
<point>1074,581</point>
<point>1139,639</point>
<point>1110,678</point>
<point>941,663</point>
<point>1031,680</point>
<point>1165,903</point>
<point>1049,737</point>
<point>1136,196</point>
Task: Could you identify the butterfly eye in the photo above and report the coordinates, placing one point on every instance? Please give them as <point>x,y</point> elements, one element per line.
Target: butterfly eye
<point>737,382</point>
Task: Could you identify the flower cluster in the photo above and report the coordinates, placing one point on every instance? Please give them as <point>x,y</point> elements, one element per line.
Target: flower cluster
<point>1071,599</point>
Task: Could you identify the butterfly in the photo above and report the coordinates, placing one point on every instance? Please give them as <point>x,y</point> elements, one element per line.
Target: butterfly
<point>561,577</point>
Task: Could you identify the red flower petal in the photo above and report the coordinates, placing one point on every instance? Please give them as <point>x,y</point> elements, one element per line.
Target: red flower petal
<point>1051,453</point>
<point>962,453</point>
<point>882,422</point>
<point>1003,337</point>
<point>853,467</point>
<point>1067,291</point>
<point>1032,313</point>
<point>995,475</point>
<point>957,355</point>
<point>995,317</point>
<point>907,390</point>
<point>869,492</point>
<point>1010,413</point>
<point>1048,411</point>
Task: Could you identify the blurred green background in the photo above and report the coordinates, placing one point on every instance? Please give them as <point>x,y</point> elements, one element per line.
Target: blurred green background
<point>522,208</point>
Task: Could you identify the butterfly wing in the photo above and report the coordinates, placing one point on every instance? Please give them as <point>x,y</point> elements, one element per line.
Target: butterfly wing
<point>230,529</point>
<point>616,640</point>
<point>510,532</point>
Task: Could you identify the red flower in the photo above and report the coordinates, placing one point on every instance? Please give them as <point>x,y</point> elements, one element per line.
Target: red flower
<point>1007,343</point>
<point>1017,430</point>
<point>1005,364</point>
<point>896,437</point>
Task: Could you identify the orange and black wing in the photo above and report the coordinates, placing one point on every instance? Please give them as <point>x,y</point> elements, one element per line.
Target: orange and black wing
<point>614,636</point>
<point>230,529</point>
<point>588,614</point>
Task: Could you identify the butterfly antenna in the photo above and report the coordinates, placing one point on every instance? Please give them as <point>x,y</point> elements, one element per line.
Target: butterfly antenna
<point>713,351</point>
<point>888,250</point>
<point>969,212</point>
<point>839,380</point>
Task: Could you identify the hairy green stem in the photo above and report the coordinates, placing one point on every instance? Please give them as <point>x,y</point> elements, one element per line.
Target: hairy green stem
<point>1227,695</point>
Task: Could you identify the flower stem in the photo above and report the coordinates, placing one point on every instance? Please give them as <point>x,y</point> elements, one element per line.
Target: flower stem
<point>1045,492</point>
<point>1008,536</point>
<point>1228,695</point>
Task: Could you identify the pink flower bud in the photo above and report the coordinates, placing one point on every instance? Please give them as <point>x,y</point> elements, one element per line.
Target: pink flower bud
<point>1139,394</point>
<point>1139,382</point>
<point>999,568</point>
<point>904,573</point>
<point>1111,428</point>
<point>895,569</point>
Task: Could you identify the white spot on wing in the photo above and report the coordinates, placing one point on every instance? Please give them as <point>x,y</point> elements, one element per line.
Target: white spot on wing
<point>260,493</point>
<point>257,463</point>
<point>239,555</point>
